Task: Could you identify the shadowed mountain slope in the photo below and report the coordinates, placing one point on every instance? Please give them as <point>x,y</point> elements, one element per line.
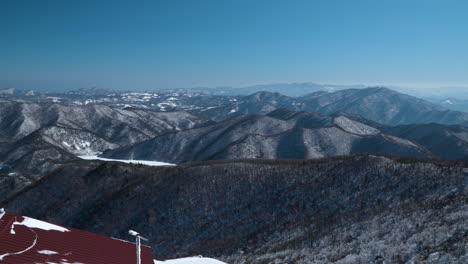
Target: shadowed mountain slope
<point>448,142</point>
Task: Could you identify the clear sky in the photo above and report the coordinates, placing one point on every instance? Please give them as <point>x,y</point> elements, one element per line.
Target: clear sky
<point>166,44</point>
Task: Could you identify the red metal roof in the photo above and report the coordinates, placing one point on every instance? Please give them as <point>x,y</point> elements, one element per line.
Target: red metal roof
<point>24,240</point>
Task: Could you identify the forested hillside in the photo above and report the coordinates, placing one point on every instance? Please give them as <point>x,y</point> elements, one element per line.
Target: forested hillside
<point>354,209</point>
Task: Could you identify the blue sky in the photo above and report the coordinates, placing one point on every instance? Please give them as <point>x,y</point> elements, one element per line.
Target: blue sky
<point>174,43</point>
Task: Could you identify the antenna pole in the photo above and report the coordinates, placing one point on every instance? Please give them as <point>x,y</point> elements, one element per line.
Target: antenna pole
<point>138,249</point>
<point>138,244</point>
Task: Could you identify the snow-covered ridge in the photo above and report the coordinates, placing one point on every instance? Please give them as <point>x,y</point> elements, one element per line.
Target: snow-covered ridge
<point>143,162</point>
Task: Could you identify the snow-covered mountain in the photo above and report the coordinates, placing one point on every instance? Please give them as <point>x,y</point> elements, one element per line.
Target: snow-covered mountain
<point>279,135</point>
<point>377,104</point>
<point>34,136</point>
<point>288,134</point>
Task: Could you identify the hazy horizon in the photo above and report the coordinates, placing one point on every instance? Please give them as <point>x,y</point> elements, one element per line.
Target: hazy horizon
<point>422,90</point>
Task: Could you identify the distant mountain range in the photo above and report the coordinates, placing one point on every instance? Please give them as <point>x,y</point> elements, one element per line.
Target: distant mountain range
<point>381,105</point>
<point>289,89</point>
<point>377,104</point>
<point>36,137</point>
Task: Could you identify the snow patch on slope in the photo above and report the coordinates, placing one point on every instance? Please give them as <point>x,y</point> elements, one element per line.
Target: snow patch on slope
<point>462,136</point>
<point>354,127</point>
<point>143,162</point>
<point>190,260</point>
<point>76,141</point>
<point>401,141</point>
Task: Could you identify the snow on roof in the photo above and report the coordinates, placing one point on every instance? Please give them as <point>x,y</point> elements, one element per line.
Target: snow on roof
<point>33,223</point>
<point>47,252</point>
<point>26,240</point>
<point>190,260</point>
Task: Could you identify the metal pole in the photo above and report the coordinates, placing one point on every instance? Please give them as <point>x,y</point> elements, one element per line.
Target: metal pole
<point>138,250</point>
<point>138,244</point>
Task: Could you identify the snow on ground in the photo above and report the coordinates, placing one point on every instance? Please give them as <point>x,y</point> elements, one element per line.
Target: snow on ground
<point>144,162</point>
<point>190,260</point>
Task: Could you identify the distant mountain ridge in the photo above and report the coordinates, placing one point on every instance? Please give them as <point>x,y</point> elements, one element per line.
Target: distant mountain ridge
<point>378,104</point>
<point>289,89</point>
<point>91,91</point>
